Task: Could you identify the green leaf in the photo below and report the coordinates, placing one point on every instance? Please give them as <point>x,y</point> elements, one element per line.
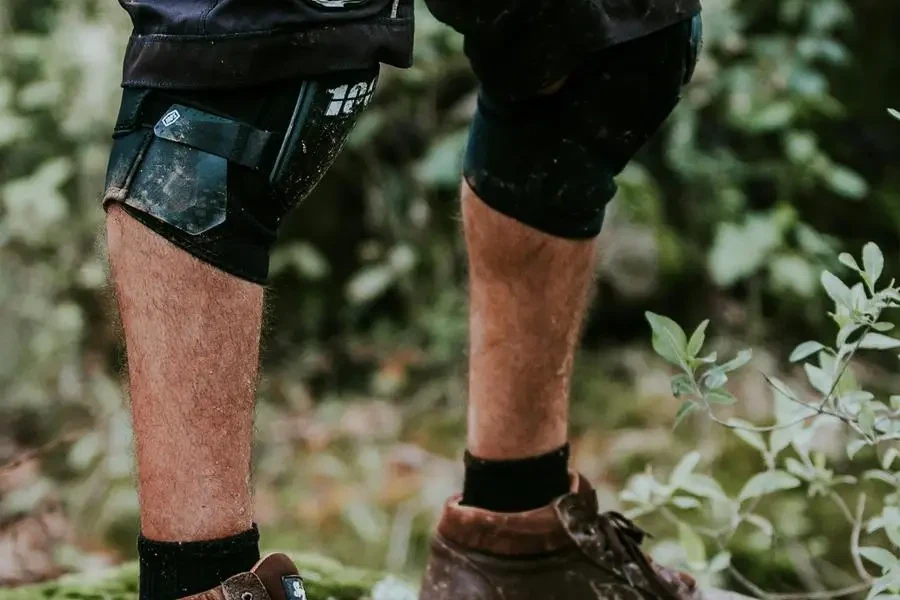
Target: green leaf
<point>684,410</point>
<point>771,117</point>
<point>767,483</point>
<point>440,166</point>
<point>882,476</point>
<point>693,546</point>
<point>303,258</point>
<point>751,437</point>
<point>877,341</point>
<point>719,397</point>
<point>739,250</point>
<point>866,419</point>
<point>703,486</point>
<point>685,502</point>
<point>369,283</point>
<point>782,438</point>
<point>852,400</point>
<point>715,378</point>
<point>720,562</point>
<point>848,260</point>
<point>684,468</point>
<point>801,147</point>
<point>763,524</point>
<point>844,480</point>
<point>742,358</point>
<point>818,378</point>
<point>836,289</point>
<point>780,387</point>
<point>845,333</point>
<point>795,467</point>
<point>669,340</point>
<point>681,385</point>
<point>879,556</point>
<point>792,273</point>
<point>708,359</point>
<point>873,262</point>
<point>891,516</point>
<point>854,446</point>
<point>847,182</point>
<point>805,349</point>
<point>878,586</point>
<point>858,296</point>
<point>697,339</point>
<point>889,456</point>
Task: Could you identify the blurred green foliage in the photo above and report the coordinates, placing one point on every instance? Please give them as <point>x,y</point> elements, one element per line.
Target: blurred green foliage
<point>780,156</point>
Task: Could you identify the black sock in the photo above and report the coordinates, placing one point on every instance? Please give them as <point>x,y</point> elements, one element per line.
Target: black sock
<point>172,570</point>
<point>516,485</point>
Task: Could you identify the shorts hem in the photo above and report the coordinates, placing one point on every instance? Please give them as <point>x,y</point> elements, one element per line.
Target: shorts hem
<point>192,62</point>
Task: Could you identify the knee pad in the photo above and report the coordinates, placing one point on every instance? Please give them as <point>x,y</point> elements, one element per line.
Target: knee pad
<point>215,172</point>
<point>550,161</point>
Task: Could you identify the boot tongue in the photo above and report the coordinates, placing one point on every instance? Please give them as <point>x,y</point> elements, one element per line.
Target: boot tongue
<point>280,578</point>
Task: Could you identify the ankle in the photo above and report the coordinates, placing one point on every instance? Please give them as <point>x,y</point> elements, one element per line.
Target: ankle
<point>516,485</point>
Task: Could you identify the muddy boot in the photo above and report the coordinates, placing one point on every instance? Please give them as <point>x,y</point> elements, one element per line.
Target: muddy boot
<point>273,578</point>
<point>564,551</point>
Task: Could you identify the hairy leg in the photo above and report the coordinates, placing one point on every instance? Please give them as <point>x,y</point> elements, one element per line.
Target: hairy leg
<point>192,334</point>
<point>528,295</point>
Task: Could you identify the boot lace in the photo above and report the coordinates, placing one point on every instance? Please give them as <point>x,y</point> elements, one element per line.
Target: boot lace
<point>624,539</point>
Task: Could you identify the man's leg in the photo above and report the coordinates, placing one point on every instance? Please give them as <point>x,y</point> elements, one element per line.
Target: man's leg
<point>192,333</point>
<point>197,186</point>
<point>539,171</point>
<point>528,295</point>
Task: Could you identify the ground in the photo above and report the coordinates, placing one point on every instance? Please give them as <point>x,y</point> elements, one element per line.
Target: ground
<point>325,579</point>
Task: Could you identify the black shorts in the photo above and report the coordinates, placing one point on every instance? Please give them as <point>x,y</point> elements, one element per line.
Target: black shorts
<point>515,44</point>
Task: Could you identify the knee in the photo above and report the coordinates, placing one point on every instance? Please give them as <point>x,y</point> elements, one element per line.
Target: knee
<point>550,161</point>
<point>215,173</point>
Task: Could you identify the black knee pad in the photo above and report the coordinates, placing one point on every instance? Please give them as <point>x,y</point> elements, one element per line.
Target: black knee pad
<point>550,161</point>
<point>216,171</point>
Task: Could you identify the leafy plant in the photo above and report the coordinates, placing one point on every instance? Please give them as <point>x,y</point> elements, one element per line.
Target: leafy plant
<point>787,446</point>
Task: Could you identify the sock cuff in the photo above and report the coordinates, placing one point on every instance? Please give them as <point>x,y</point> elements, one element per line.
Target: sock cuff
<point>170,570</point>
<point>516,485</point>
<point>560,454</point>
<point>160,550</point>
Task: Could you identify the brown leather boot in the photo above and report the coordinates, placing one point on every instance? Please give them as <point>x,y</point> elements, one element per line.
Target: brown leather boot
<point>564,551</point>
<point>273,578</point>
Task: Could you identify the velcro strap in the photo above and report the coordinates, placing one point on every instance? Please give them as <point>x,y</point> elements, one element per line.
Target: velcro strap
<point>232,140</point>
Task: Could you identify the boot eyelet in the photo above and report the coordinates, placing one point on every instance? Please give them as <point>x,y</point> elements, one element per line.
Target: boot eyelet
<point>246,596</point>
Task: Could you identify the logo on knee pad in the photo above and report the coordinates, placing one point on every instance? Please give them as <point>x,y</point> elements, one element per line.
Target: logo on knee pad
<point>170,117</point>
<point>347,99</point>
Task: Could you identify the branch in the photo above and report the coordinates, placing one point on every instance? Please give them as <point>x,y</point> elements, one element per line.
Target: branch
<point>34,453</point>
<point>752,587</point>
<point>847,360</point>
<point>847,591</point>
<point>760,593</point>
<point>764,429</point>
<point>854,541</point>
<point>843,506</point>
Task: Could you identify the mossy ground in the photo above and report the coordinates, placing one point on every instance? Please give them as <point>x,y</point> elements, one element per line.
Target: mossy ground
<point>326,579</point>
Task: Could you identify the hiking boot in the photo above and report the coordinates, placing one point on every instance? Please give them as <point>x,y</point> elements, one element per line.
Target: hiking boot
<point>273,578</point>
<point>564,551</point>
